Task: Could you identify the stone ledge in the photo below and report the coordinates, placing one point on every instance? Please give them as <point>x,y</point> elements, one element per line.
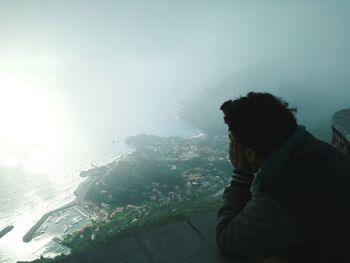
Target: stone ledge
<point>341,130</point>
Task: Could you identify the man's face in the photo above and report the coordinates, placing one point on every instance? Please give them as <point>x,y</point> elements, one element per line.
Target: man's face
<point>242,158</point>
<point>232,146</point>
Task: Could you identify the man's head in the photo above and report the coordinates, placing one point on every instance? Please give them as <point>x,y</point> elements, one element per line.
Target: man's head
<point>258,124</point>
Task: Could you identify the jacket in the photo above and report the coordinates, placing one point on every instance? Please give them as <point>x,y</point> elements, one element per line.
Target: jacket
<point>295,205</point>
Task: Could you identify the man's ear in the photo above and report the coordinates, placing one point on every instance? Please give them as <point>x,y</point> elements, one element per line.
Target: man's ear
<point>250,154</point>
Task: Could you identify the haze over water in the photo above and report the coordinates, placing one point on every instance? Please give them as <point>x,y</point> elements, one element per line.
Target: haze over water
<point>76,75</point>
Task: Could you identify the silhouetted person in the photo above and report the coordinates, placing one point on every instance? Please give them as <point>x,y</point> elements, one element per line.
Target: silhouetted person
<point>290,192</point>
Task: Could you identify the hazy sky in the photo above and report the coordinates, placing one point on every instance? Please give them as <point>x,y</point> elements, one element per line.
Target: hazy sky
<point>71,70</point>
<point>97,60</point>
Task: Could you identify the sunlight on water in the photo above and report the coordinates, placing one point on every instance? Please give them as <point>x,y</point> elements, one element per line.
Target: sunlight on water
<point>26,107</point>
<point>31,119</point>
<point>16,249</point>
<point>33,140</point>
<point>43,149</point>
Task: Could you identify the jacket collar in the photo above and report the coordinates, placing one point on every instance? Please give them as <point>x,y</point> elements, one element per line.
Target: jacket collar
<point>267,176</point>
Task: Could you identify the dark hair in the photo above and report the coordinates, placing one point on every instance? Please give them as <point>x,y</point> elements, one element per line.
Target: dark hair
<point>260,121</point>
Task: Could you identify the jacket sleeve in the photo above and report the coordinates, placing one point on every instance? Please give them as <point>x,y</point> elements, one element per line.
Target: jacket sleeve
<point>252,223</point>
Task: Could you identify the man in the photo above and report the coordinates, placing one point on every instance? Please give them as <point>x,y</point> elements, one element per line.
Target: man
<point>290,192</point>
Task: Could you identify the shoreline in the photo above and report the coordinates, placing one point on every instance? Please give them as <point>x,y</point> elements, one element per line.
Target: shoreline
<point>198,131</point>
<point>31,232</point>
<point>79,193</point>
<point>82,187</point>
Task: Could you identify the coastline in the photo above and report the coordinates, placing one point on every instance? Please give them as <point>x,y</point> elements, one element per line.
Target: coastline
<point>199,131</point>
<point>82,187</point>
<point>79,193</point>
<point>31,232</point>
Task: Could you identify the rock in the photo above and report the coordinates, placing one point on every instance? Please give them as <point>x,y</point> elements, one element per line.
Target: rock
<point>5,231</point>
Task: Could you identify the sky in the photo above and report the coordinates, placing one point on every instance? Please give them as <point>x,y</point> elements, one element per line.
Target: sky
<point>90,62</point>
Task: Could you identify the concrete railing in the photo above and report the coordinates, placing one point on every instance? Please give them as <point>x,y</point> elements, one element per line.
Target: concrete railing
<point>341,130</point>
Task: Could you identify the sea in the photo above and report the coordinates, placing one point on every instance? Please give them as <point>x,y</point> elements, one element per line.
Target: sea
<point>40,178</point>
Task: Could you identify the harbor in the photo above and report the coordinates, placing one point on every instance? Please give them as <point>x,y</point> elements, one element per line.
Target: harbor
<point>59,222</point>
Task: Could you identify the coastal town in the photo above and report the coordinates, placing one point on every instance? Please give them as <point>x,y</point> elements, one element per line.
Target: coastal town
<point>164,179</point>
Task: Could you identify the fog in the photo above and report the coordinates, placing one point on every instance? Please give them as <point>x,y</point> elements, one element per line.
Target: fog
<point>77,75</point>
<point>126,61</point>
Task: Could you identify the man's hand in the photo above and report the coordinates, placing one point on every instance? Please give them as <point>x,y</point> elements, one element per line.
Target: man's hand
<point>238,158</point>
